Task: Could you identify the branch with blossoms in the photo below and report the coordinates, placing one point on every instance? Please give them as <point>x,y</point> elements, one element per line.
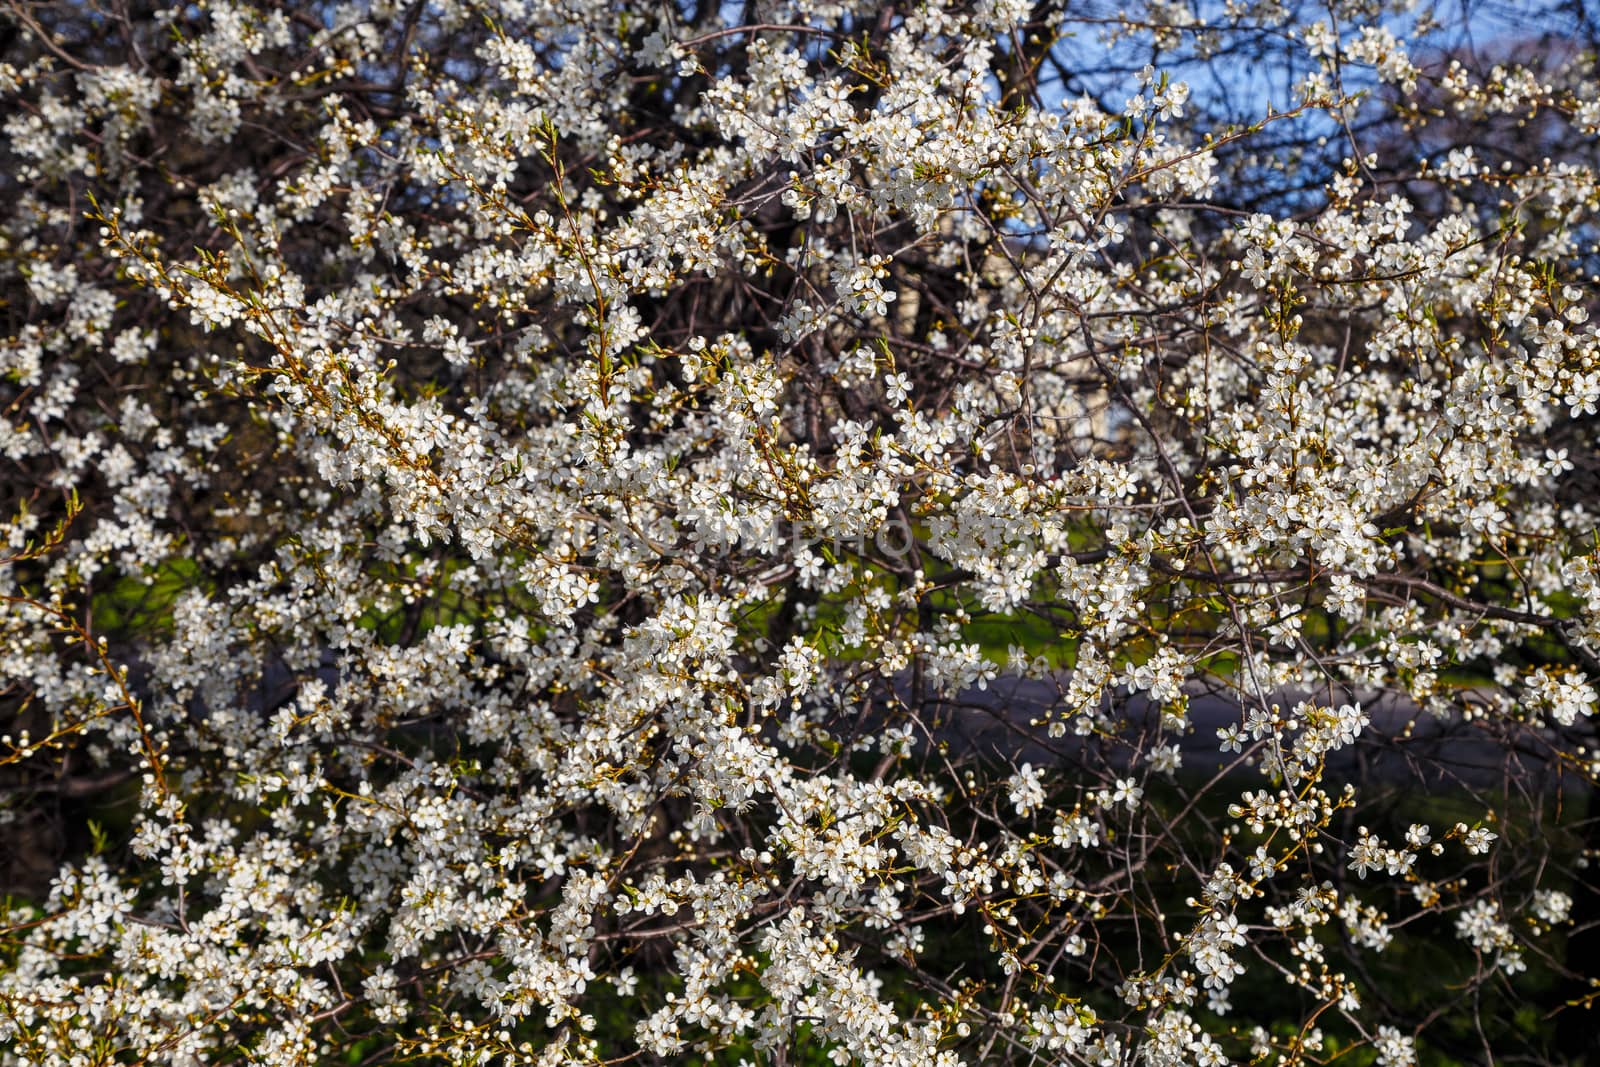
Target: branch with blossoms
<point>964,533</point>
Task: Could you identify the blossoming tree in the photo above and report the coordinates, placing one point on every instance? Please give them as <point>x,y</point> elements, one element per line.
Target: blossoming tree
<point>797,531</point>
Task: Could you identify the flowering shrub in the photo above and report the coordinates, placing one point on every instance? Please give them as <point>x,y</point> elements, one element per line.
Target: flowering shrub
<point>545,532</point>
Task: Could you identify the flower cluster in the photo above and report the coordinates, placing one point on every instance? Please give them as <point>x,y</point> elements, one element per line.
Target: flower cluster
<point>575,532</point>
